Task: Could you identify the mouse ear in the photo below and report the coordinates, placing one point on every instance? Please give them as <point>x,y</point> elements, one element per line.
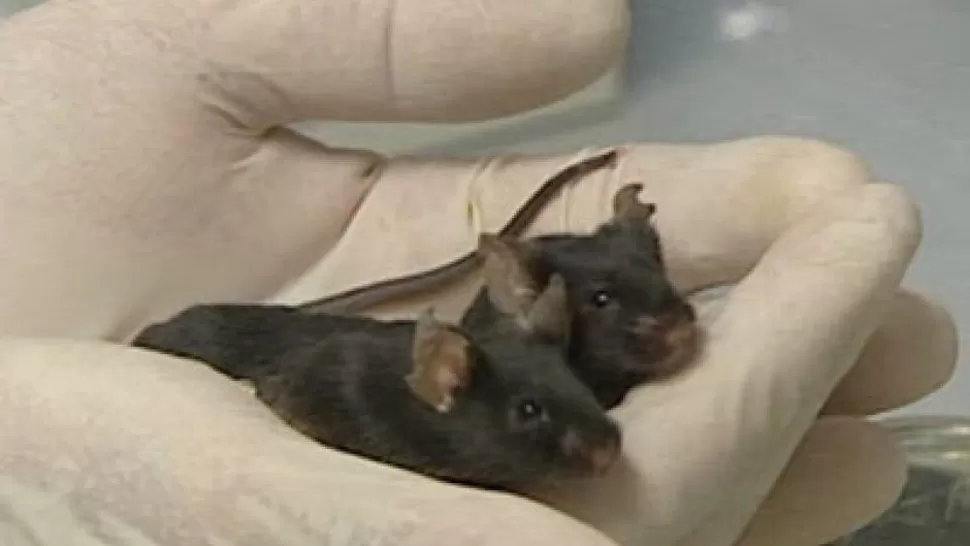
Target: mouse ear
<point>442,362</point>
<point>627,204</point>
<point>550,312</point>
<point>510,286</point>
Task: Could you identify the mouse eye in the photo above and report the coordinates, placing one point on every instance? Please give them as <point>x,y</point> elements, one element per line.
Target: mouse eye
<point>602,298</point>
<point>529,411</point>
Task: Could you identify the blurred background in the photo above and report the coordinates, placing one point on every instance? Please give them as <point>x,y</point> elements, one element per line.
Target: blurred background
<point>889,79</point>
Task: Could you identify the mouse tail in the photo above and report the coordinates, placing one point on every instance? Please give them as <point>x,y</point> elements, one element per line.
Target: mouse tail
<point>361,298</point>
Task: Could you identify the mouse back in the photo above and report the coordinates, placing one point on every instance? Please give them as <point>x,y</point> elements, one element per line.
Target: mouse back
<point>243,341</point>
<point>495,409</point>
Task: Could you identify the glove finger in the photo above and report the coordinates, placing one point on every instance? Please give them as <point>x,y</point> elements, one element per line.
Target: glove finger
<point>844,474</point>
<point>261,64</point>
<point>427,60</point>
<point>720,206</point>
<point>911,353</point>
<point>791,329</point>
<point>106,442</point>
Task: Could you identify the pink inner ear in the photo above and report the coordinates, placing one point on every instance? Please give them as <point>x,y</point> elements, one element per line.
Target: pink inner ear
<point>447,380</point>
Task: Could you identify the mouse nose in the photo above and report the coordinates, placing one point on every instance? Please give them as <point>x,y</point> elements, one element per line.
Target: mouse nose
<point>604,455</point>
<point>683,333</point>
<point>599,452</point>
<point>673,336</point>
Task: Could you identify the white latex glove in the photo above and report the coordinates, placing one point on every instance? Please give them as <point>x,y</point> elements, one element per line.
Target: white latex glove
<point>143,173</point>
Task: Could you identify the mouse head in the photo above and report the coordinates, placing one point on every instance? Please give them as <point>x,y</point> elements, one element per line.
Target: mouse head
<point>519,412</point>
<point>629,324</point>
<point>628,311</point>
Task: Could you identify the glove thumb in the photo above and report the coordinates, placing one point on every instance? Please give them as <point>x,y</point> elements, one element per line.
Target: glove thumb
<point>428,60</point>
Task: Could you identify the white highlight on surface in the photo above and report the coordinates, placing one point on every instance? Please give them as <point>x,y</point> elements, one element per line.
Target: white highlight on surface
<point>749,20</point>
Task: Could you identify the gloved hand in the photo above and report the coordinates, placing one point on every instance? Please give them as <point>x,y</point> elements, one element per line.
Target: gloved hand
<point>145,171</point>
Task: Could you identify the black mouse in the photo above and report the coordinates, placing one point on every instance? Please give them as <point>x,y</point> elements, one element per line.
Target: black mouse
<point>497,408</point>
<point>630,325</point>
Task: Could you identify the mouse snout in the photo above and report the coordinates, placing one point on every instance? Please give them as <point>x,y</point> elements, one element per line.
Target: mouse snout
<point>604,456</point>
<point>680,317</point>
<point>681,331</point>
<point>672,337</point>
<point>597,452</point>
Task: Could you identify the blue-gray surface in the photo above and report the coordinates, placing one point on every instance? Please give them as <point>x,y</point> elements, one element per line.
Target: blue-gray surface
<point>890,79</point>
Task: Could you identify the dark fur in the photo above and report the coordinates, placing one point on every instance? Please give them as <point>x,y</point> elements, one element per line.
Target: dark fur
<point>610,349</point>
<point>645,332</point>
<point>342,381</point>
